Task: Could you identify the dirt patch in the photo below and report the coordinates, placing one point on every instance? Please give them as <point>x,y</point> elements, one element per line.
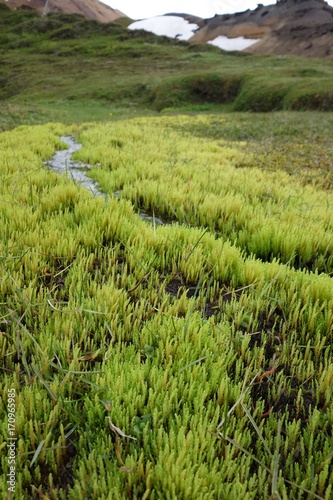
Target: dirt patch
<point>295,401</point>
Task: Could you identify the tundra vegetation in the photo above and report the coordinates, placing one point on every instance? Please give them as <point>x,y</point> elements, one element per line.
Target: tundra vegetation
<point>186,360</point>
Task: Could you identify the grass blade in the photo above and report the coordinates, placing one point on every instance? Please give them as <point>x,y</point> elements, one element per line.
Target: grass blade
<point>256,428</point>
<point>275,462</point>
<point>37,452</point>
<point>47,387</point>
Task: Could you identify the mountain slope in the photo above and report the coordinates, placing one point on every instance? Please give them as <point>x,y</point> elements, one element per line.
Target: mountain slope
<point>77,65</point>
<point>91,9</point>
<point>298,27</point>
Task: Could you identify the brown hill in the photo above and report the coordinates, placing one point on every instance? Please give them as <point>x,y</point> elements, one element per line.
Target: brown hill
<point>92,9</point>
<point>298,27</point>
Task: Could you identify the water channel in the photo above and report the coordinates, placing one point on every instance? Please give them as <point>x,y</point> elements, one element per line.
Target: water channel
<point>62,162</point>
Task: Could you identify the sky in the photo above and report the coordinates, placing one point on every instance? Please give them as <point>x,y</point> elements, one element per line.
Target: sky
<point>140,9</point>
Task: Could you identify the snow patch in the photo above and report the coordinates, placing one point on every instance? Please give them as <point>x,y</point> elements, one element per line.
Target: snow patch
<point>240,43</point>
<point>171,26</point>
<point>177,27</point>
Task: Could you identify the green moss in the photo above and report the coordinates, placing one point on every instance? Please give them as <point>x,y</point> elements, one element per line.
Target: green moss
<point>218,364</point>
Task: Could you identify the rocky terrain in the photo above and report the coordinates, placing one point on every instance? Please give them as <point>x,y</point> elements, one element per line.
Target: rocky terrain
<point>91,9</point>
<point>298,27</point>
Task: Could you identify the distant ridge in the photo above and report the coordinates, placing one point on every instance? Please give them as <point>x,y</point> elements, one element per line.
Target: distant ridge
<point>91,9</point>
<point>298,27</point>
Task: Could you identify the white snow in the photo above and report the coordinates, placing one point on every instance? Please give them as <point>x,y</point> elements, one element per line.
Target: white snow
<point>177,27</point>
<point>172,26</point>
<point>239,43</point>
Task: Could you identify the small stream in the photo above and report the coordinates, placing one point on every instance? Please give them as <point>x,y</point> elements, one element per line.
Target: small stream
<point>62,162</point>
<point>76,170</point>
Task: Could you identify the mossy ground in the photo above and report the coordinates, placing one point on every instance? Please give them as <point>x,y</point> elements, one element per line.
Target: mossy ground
<point>190,360</point>
<point>218,363</point>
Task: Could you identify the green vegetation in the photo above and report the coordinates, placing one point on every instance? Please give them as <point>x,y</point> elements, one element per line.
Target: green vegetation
<point>73,60</point>
<point>205,183</point>
<point>178,361</point>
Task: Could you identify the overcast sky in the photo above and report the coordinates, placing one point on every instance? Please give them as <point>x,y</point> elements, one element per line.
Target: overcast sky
<point>140,9</point>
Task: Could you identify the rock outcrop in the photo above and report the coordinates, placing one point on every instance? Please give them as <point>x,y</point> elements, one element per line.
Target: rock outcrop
<point>91,9</point>
<point>298,27</point>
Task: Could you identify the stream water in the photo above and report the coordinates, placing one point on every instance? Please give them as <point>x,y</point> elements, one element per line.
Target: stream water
<point>62,162</point>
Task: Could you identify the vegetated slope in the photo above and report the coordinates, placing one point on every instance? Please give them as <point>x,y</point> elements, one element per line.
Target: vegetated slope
<point>151,361</point>
<point>298,27</point>
<point>91,9</point>
<point>69,59</point>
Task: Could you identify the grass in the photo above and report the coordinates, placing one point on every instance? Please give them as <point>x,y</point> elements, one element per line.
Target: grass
<point>191,359</point>
<point>71,60</point>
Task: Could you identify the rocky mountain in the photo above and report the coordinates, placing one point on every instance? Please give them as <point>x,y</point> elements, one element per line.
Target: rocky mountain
<point>91,9</point>
<point>298,27</point>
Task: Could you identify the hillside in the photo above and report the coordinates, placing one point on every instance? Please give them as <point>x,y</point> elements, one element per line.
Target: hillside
<point>71,60</point>
<point>297,27</point>
<point>91,9</point>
